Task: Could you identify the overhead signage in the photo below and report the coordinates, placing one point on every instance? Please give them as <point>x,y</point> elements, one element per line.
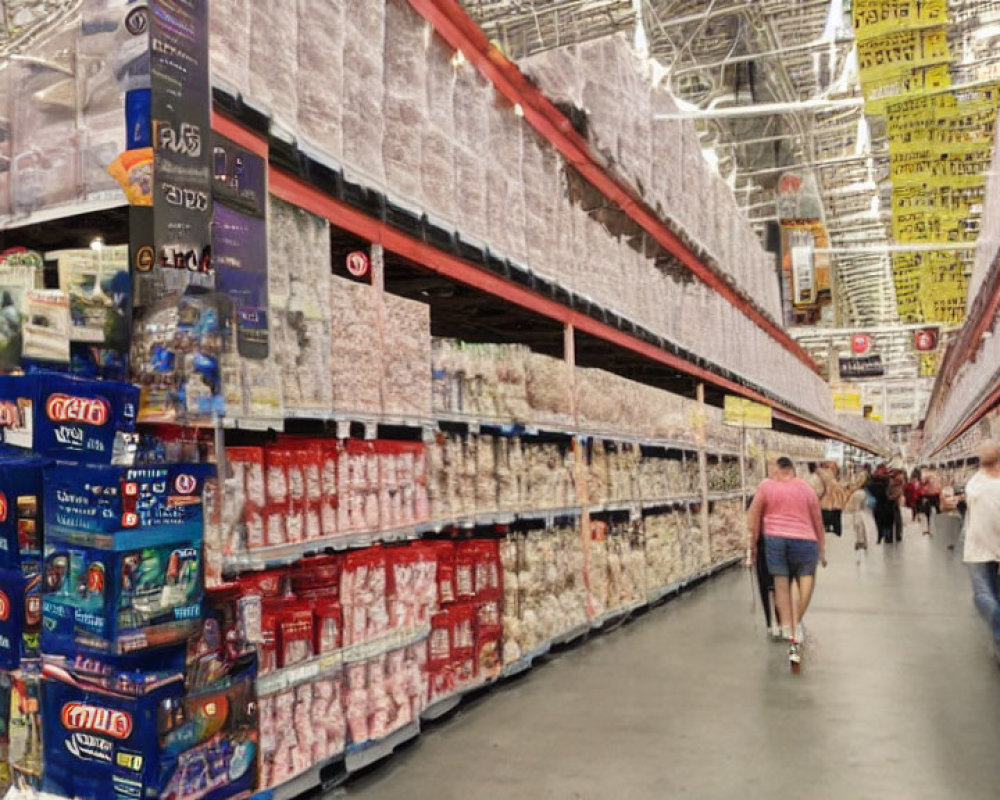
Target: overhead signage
<point>861,343</point>
<point>846,402</point>
<point>861,367</point>
<point>738,412</point>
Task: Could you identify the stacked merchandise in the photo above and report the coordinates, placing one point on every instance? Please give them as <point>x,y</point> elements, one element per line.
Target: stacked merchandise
<point>665,478</point>
<point>616,580</point>
<point>466,638</point>
<point>483,474</point>
<point>664,555</point>
<point>728,534</point>
<point>443,134</point>
<point>544,591</point>
<point>723,475</point>
<point>143,688</point>
<point>299,490</point>
<point>391,337</point>
<point>343,656</point>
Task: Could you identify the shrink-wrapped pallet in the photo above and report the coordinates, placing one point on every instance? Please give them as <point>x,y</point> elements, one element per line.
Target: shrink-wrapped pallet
<point>364,87</point>
<point>229,35</point>
<point>405,121</point>
<point>406,375</point>
<point>355,353</point>
<point>438,159</point>
<point>474,105</point>
<point>273,64</point>
<point>320,63</point>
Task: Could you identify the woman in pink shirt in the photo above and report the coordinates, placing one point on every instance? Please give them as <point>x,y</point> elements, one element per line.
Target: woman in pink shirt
<point>786,508</point>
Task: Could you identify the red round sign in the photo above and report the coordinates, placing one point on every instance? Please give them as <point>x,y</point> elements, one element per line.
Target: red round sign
<point>358,263</point>
<point>860,343</point>
<point>925,340</point>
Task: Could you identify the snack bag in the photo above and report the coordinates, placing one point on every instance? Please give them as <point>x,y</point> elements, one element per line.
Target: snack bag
<point>20,617</point>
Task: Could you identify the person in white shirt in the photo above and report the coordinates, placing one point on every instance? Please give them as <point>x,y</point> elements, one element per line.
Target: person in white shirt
<point>982,537</point>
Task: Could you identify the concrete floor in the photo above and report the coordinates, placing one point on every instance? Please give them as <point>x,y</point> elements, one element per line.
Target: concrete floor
<point>899,697</point>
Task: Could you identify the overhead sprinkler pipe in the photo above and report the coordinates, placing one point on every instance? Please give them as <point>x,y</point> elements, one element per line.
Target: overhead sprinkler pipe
<point>766,109</point>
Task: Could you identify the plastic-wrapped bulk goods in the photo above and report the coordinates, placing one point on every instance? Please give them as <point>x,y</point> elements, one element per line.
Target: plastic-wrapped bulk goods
<point>405,121</point>
<point>406,382</point>
<point>320,62</point>
<point>473,106</point>
<point>229,43</point>
<point>607,108</point>
<point>437,152</point>
<point>363,87</point>
<point>635,146</point>
<point>274,39</point>
<point>44,166</point>
<point>540,182</point>
<point>505,199</point>
<point>355,355</point>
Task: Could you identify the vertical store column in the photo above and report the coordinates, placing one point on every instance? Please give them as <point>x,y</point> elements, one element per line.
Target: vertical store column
<point>580,470</point>
<point>700,438</point>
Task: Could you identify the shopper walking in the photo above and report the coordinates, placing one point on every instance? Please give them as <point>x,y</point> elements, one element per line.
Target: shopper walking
<point>912,494</point>
<point>982,537</point>
<point>878,488</point>
<point>831,501</point>
<point>858,520</point>
<point>787,509</point>
<point>814,480</point>
<point>930,496</point>
<point>897,487</point>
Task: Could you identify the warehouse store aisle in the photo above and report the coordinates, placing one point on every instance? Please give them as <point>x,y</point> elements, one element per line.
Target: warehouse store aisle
<point>898,697</point>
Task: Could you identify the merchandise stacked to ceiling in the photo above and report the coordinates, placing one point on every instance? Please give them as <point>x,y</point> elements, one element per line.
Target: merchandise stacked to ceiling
<point>307,524</point>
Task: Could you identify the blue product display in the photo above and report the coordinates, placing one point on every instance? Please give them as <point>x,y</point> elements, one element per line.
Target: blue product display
<point>21,519</point>
<point>151,740</point>
<point>100,744</point>
<point>137,119</point>
<point>123,568</point>
<point>69,418</point>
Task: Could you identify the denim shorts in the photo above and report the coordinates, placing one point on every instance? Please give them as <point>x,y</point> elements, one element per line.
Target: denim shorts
<point>791,557</point>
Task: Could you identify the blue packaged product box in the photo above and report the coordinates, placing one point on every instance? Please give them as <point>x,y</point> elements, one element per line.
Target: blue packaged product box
<point>68,418</point>
<point>20,618</point>
<point>21,519</point>
<point>196,746</point>
<point>123,570</point>
<point>100,744</point>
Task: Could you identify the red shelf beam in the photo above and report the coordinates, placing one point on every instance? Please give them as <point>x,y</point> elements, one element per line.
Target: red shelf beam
<point>461,32</point>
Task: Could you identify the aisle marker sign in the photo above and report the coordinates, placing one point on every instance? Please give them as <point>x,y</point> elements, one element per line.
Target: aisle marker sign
<point>739,412</point>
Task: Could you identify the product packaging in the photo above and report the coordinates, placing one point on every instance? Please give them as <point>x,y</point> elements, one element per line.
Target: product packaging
<point>70,418</point>
<point>20,617</point>
<point>123,568</point>
<point>21,522</point>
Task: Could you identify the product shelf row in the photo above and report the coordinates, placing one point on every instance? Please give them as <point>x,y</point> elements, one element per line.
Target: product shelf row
<point>365,755</point>
<point>370,423</point>
<point>285,554</point>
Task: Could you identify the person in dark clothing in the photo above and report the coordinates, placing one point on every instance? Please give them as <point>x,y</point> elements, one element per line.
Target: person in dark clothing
<point>897,486</point>
<point>885,517</point>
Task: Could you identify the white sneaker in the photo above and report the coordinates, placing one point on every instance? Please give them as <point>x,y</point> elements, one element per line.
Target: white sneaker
<point>786,634</point>
<point>776,632</point>
<point>800,632</point>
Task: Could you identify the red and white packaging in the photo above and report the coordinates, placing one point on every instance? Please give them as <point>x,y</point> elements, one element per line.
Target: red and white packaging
<point>295,634</point>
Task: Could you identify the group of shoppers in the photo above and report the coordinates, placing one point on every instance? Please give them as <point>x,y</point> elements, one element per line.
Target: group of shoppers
<point>791,518</point>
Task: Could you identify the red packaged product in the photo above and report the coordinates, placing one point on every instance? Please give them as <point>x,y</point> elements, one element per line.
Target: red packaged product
<point>328,516</point>
<point>463,641</point>
<point>488,573</point>
<point>267,651</point>
<point>275,524</point>
<point>313,520</point>
<point>444,553</point>
<point>317,572</point>
<point>295,634</point>
<point>328,625</point>
<point>329,453</point>
<point>440,672</point>
<point>466,558</point>
<point>269,583</point>
<point>276,458</point>
<point>247,465</point>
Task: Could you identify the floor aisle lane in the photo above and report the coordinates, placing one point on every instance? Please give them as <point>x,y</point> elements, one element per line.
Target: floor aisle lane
<point>898,697</point>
